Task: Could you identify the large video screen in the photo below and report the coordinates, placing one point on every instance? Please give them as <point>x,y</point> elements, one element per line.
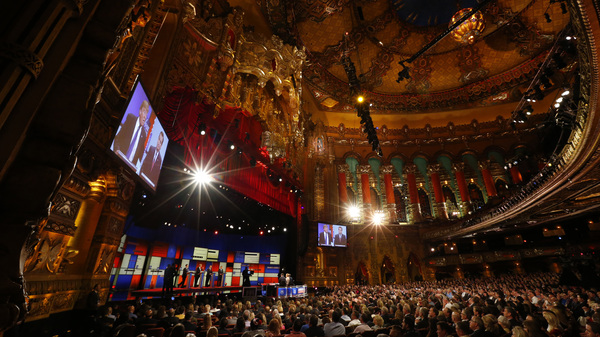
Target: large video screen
<point>332,235</point>
<point>140,141</point>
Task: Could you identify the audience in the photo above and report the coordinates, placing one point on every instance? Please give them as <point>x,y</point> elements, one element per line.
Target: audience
<point>507,306</point>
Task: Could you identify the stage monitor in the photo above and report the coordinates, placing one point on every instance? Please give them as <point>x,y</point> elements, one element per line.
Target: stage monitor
<point>332,235</point>
<point>140,141</point>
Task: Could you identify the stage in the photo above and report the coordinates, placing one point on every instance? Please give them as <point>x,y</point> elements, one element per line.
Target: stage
<point>267,290</point>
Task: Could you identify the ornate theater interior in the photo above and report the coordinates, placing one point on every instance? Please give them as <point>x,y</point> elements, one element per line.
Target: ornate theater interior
<point>445,139</point>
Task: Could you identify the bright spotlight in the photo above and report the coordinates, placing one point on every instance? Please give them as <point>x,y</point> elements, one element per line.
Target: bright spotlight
<point>565,93</point>
<point>353,212</point>
<point>378,218</point>
<point>202,177</point>
<point>360,99</point>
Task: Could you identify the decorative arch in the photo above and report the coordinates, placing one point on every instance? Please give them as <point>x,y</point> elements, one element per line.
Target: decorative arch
<point>476,195</point>
<point>413,266</point>
<point>351,195</point>
<point>388,271</point>
<point>502,188</point>
<point>400,206</point>
<point>451,202</point>
<point>375,199</point>
<point>444,153</point>
<point>424,203</point>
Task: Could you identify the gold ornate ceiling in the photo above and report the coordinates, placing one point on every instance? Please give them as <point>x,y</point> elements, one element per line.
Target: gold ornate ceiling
<point>383,32</point>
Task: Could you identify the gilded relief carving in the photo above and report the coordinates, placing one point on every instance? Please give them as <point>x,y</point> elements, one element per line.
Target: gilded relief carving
<point>65,206</point>
<point>46,255</point>
<point>105,260</point>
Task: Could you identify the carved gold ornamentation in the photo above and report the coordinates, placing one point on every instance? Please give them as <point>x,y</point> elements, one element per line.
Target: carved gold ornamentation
<point>105,260</point>
<point>65,206</point>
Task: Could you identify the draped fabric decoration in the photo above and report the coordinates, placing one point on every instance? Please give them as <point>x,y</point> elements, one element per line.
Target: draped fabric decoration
<point>362,274</point>
<point>245,171</point>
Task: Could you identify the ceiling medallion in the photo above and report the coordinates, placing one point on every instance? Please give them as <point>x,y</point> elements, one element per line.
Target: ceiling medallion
<point>468,30</point>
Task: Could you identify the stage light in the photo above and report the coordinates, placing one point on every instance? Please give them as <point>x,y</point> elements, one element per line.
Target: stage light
<point>360,99</point>
<point>565,93</point>
<point>202,129</point>
<point>202,177</point>
<point>285,229</point>
<point>353,212</point>
<point>378,218</point>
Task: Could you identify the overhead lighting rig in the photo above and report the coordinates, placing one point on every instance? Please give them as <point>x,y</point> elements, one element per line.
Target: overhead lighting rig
<point>361,104</point>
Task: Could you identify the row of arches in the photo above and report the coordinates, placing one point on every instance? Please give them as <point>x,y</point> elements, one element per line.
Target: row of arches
<point>440,188</point>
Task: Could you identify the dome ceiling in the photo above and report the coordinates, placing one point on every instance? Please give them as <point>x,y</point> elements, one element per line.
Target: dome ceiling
<point>450,75</point>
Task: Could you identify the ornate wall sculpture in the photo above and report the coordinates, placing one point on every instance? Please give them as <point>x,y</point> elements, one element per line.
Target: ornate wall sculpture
<point>263,61</point>
<point>204,55</point>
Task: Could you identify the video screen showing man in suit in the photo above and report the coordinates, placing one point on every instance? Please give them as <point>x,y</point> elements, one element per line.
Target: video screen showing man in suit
<point>130,140</point>
<point>153,160</point>
<point>340,237</point>
<point>325,237</point>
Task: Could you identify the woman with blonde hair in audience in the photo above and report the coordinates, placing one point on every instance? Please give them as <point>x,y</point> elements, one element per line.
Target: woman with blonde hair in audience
<point>212,332</point>
<point>274,328</point>
<point>504,324</point>
<point>519,332</point>
<point>378,321</point>
<point>491,324</point>
<point>554,329</point>
<point>533,328</point>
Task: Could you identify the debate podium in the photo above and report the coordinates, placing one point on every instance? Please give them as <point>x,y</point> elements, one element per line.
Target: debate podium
<point>275,290</point>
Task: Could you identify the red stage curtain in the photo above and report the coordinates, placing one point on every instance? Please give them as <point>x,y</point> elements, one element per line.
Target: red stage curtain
<point>181,116</point>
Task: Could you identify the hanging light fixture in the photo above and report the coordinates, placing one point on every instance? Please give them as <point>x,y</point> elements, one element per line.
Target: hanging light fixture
<point>468,31</point>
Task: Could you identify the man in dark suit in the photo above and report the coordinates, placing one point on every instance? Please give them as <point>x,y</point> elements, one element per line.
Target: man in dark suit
<point>220,277</point>
<point>325,238</point>
<point>184,277</point>
<point>131,139</point>
<point>340,238</point>
<point>153,160</point>
<point>282,280</point>
<point>246,277</point>
<point>197,274</point>
<point>208,277</point>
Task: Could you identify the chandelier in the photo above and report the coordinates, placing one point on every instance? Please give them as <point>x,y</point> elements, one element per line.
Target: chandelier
<point>467,31</point>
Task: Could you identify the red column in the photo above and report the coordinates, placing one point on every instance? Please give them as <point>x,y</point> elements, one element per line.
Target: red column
<point>342,187</point>
<point>389,188</point>
<point>515,175</point>
<point>488,180</point>
<point>437,187</point>
<point>412,188</point>
<point>366,188</point>
<point>462,185</point>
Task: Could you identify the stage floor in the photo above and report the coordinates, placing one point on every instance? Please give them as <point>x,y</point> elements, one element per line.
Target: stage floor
<point>157,292</point>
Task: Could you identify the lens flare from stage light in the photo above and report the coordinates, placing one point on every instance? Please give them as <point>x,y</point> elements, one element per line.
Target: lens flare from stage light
<point>378,217</point>
<point>202,177</point>
<point>353,212</point>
